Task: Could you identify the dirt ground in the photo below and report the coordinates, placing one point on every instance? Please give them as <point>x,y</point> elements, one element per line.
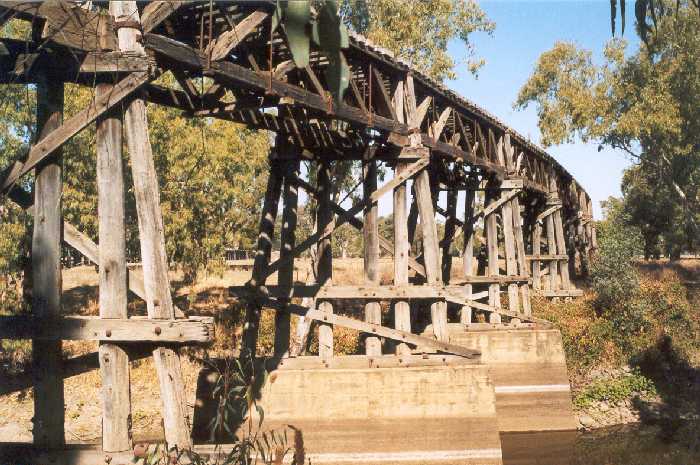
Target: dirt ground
<point>208,296</point>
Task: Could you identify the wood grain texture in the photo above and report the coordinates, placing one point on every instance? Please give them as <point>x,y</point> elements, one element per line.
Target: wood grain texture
<point>159,302</point>
<point>373,312</point>
<point>402,309</point>
<point>438,310</point>
<point>114,362</point>
<point>229,40</point>
<point>46,146</point>
<point>285,276</point>
<point>465,313</point>
<point>491,231</point>
<point>49,413</point>
<point>324,264</point>
<point>263,251</point>
<point>88,328</point>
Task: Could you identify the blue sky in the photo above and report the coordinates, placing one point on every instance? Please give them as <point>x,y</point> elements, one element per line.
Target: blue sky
<point>525,29</point>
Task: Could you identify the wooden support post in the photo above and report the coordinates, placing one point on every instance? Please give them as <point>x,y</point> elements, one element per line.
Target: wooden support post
<point>402,309</point>
<point>450,227</point>
<point>49,412</point>
<point>373,311</point>
<point>536,251</point>
<point>266,231</point>
<point>561,249</point>
<point>522,258</point>
<point>465,316</point>
<point>491,227</point>
<point>510,252</point>
<point>159,302</point>
<point>285,276</point>
<point>412,219</point>
<point>438,310</point>
<point>553,282</point>
<point>324,263</point>
<point>510,217</point>
<point>114,361</point>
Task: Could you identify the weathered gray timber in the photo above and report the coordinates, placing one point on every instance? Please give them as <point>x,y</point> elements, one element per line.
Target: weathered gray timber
<point>46,273</point>
<point>285,276</point>
<point>373,312</point>
<point>159,302</point>
<point>114,361</point>
<point>324,259</point>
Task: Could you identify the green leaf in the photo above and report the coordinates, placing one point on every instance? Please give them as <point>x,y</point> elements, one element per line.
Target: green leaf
<point>297,16</point>
<point>328,32</point>
<point>261,413</point>
<point>613,13</point>
<point>331,36</point>
<point>337,76</point>
<point>277,16</point>
<point>622,15</point>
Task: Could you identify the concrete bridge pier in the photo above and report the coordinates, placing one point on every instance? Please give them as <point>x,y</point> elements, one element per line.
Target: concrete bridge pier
<point>421,408</point>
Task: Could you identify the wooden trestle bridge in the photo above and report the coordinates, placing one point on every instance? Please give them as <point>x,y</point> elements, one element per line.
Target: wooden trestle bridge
<point>536,219</point>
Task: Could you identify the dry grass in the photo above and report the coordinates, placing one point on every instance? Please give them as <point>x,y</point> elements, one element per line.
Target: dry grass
<point>208,296</point>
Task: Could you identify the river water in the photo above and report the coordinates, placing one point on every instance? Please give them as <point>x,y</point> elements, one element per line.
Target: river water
<point>677,444</point>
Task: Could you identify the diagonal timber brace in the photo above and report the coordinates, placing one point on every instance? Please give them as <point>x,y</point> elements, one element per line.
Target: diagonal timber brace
<point>320,235</point>
<point>492,207</point>
<point>83,244</point>
<point>547,212</point>
<point>375,329</point>
<point>99,106</point>
<point>358,224</point>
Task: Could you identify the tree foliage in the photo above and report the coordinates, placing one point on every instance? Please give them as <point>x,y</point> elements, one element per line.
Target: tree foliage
<point>613,274</point>
<point>646,104</point>
<point>211,173</point>
<point>419,32</point>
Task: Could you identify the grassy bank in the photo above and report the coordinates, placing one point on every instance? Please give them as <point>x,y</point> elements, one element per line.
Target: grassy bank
<point>636,357</point>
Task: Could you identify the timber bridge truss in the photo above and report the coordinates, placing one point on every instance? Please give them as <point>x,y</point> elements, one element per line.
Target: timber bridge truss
<point>535,218</point>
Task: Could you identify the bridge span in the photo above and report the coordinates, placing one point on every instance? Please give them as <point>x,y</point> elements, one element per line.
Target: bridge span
<point>521,223</point>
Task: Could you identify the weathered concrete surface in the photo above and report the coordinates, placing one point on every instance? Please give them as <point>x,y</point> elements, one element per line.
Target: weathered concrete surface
<point>381,393</point>
<point>421,414</point>
<point>528,369</point>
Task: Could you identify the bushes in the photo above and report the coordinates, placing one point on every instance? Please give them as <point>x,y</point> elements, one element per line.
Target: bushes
<point>616,390</point>
<point>626,313</point>
<point>613,275</point>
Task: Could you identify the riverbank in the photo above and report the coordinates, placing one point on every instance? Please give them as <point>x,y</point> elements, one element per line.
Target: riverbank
<point>638,360</point>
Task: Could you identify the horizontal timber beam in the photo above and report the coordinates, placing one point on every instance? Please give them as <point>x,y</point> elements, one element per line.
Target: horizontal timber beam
<point>560,293</point>
<point>87,328</point>
<point>365,292</point>
<point>544,258</point>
